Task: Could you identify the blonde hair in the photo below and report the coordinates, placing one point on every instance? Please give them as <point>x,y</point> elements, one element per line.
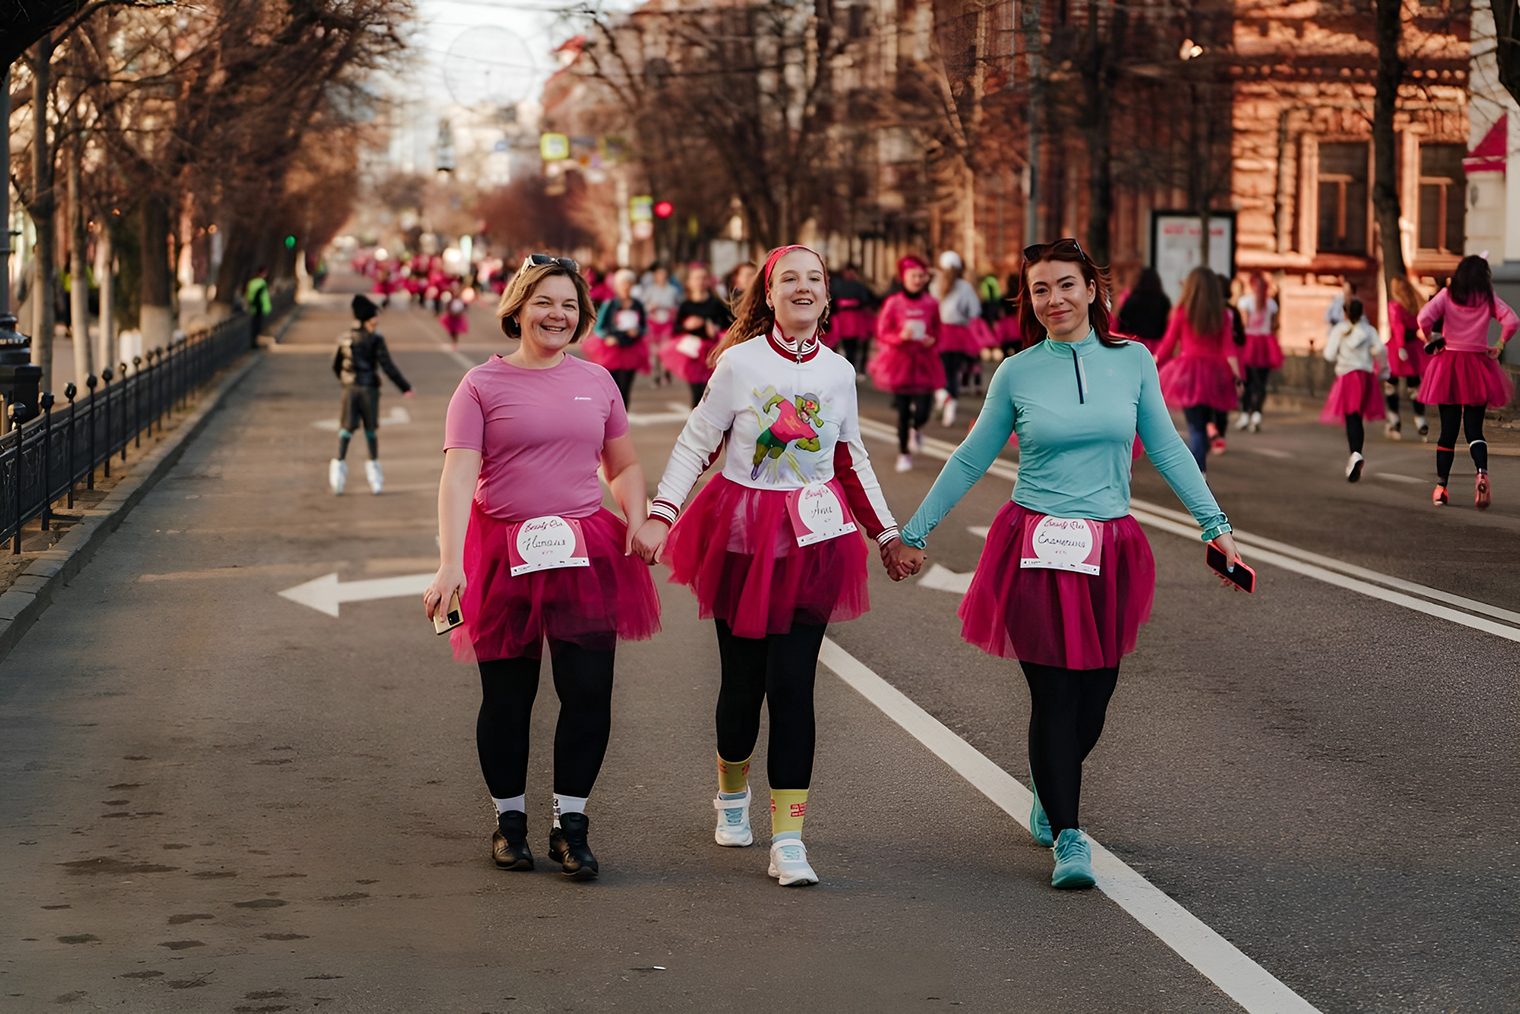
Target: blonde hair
<point>526,282</point>
<point>1405,294</point>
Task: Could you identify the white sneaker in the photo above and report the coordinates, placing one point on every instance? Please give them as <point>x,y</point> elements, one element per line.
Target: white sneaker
<point>337,475</point>
<point>941,394</point>
<point>375,476</point>
<point>1243,420</point>
<point>916,440</point>
<point>1255,422</point>
<point>1354,466</point>
<point>733,821</point>
<point>947,417</point>
<point>905,462</point>
<point>789,863</point>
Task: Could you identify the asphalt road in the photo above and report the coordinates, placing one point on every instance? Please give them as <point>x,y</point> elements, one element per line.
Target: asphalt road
<point>217,798</point>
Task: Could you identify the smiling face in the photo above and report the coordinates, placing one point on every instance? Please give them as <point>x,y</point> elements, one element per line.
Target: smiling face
<point>915,278</point>
<point>549,318</point>
<point>798,292</point>
<point>1060,297</point>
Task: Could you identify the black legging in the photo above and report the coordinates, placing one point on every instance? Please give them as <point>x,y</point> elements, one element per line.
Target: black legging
<point>1198,418</point>
<point>583,682</point>
<point>698,388</point>
<point>624,381</point>
<point>912,413</point>
<point>778,670</point>
<point>1453,419</point>
<point>1391,396</point>
<point>1065,721</point>
<point>1254,395</point>
<point>1355,434</point>
<point>850,349</point>
<point>956,364</point>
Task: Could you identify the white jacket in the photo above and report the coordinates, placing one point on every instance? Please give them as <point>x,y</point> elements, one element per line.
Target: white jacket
<point>1353,347</point>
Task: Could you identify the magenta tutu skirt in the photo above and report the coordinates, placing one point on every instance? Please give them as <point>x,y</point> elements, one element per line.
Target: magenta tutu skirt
<point>1465,378</point>
<point>1198,380</point>
<point>1057,617</point>
<point>609,355</point>
<point>595,606</point>
<point>1262,350</point>
<point>850,322</point>
<point>1414,366</point>
<point>910,368</point>
<point>1357,391</point>
<point>692,369</point>
<point>735,548</point>
<point>958,338</point>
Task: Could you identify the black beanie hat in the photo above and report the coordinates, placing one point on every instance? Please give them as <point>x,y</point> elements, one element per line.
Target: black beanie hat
<point>364,309</point>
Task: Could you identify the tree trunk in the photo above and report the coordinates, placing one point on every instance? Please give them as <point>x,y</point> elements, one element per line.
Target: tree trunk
<point>79,278</point>
<point>1506,24</point>
<point>230,271</point>
<point>1100,75</point>
<point>1033,54</point>
<point>42,207</point>
<point>105,277</point>
<point>1385,190</point>
<point>155,319</point>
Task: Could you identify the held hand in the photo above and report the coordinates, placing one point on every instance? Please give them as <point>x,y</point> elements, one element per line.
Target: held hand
<point>1495,351</point>
<point>649,540</point>
<point>446,582</point>
<point>1226,545</point>
<point>902,560</point>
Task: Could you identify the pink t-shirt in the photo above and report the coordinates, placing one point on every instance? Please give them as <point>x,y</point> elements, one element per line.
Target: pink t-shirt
<point>539,433</point>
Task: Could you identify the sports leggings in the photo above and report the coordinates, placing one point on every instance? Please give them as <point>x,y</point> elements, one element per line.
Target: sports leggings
<point>912,413</point>
<point>624,381</point>
<point>1254,394</point>
<point>583,681</point>
<point>779,670</point>
<point>956,365</point>
<point>1065,721</point>
<point>1453,419</point>
<point>1391,396</point>
<point>698,388</point>
<point>1198,418</point>
<point>1355,432</point>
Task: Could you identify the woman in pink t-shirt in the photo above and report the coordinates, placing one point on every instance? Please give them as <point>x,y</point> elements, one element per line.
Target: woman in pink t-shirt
<point>1464,376</point>
<point>532,554</point>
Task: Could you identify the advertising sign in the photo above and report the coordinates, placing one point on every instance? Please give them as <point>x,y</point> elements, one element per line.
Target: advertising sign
<point>1177,248</point>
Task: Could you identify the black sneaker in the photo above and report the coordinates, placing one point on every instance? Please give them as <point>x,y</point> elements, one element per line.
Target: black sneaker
<point>509,844</point>
<point>567,846</point>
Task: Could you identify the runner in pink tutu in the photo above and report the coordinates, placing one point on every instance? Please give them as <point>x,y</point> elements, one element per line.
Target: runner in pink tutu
<point>852,316</point>
<point>772,547</point>
<point>1406,355</point>
<point>1261,354</point>
<point>1066,577</point>
<point>906,364</point>
<point>1360,359</point>
<point>531,553</point>
<point>455,318</point>
<point>701,319</point>
<point>960,342</point>
<point>1199,379</point>
<point>1464,376</point>
<point>661,296</point>
<point>619,341</point>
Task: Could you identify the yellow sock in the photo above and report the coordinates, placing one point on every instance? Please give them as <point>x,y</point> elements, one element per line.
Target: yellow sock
<point>733,775</point>
<point>788,807</point>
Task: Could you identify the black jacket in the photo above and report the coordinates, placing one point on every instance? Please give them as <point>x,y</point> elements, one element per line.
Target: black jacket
<point>360,358</point>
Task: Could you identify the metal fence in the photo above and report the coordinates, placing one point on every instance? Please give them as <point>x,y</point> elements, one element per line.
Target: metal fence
<point>46,459</point>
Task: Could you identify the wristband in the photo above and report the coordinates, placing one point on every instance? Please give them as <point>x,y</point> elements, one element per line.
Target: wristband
<point>1210,534</point>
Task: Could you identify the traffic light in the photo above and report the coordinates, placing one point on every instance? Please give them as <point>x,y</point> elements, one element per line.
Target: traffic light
<point>664,209</point>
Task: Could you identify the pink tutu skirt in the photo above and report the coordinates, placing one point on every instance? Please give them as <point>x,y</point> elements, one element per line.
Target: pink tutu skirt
<point>850,322</point>
<point>1465,378</point>
<point>735,548</point>
<point>1414,366</point>
<point>692,369</point>
<point>1058,617</point>
<point>455,324</point>
<point>1262,350</point>
<point>1357,391</point>
<point>609,355</point>
<point>660,331</point>
<point>909,368</point>
<point>958,338</point>
<point>1198,380</point>
<point>595,606</point>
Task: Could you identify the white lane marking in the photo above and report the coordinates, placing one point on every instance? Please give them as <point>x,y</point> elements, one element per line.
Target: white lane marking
<point>1220,961</point>
<point>397,416</point>
<point>325,594</point>
<point>1396,477</point>
<point>944,579</point>
<point>980,531</point>
<point>459,357</point>
<point>1322,568</point>
<point>1269,452</point>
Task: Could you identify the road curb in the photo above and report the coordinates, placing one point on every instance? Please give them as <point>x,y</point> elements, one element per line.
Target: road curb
<point>31,593</point>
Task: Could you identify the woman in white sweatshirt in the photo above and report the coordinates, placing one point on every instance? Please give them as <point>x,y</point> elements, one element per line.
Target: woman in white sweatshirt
<point>771,546</point>
<point>1360,360</point>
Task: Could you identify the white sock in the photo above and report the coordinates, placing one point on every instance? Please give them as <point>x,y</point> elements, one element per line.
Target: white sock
<point>568,804</point>
<point>518,803</point>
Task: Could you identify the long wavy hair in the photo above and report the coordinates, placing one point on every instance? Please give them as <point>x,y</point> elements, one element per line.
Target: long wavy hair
<point>1097,311</point>
<point>1405,294</point>
<point>753,316</point>
<point>1202,300</point>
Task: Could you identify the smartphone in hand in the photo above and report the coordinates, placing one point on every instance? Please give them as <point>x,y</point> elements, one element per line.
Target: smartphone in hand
<point>1242,576</point>
<point>445,621</point>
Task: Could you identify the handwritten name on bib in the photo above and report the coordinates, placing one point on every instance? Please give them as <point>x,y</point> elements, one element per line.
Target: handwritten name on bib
<point>1074,544</point>
<point>690,346</point>
<point>547,543</point>
<point>817,514</point>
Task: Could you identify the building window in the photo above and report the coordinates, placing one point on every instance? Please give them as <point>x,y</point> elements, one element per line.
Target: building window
<point>1443,208</point>
<point>1343,198</point>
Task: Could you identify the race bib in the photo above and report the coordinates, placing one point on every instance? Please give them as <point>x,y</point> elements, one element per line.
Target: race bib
<point>690,346</point>
<point>626,321</point>
<point>547,543</point>
<point>1073,544</point>
<point>917,329</point>
<point>817,514</point>
<point>661,316</point>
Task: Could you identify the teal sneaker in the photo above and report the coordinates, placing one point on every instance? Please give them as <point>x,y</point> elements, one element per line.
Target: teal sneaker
<point>1039,824</point>
<point>1073,861</point>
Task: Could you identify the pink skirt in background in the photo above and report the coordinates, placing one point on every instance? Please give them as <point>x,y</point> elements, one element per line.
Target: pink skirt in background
<point>850,322</point>
<point>958,338</point>
<point>1414,366</point>
<point>609,355</point>
<point>1465,378</point>
<point>909,368</point>
<point>692,369</point>
<point>1058,617</point>
<point>508,617</point>
<point>735,548</point>
<point>1262,350</point>
<point>1198,380</point>
<point>1357,391</point>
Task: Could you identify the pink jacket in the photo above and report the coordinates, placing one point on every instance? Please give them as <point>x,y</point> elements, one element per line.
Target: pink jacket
<point>1466,327</point>
<point>1179,330</point>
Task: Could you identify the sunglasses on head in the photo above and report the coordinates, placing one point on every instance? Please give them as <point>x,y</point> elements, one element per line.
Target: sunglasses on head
<point>541,259</point>
<point>1066,245</point>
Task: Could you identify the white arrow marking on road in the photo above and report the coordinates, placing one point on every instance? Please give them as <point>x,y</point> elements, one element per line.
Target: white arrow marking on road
<point>325,594</point>
<point>677,413</point>
<point>944,579</point>
<point>397,416</point>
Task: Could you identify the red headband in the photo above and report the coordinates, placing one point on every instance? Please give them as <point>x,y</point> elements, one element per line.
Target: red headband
<point>782,251</point>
